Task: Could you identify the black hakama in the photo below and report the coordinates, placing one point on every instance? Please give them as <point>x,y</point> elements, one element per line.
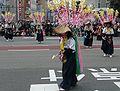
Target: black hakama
<point>9,34</point>
<point>39,37</point>
<point>107,45</point>
<point>99,37</point>
<point>88,38</point>
<point>69,70</point>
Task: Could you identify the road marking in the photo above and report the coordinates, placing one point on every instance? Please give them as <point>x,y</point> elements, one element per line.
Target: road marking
<point>52,75</point>
<point>53,38</point>
<point>117,83</point>
<point>44,87</point>
<point>114,69</point>
<point>29,50</point>
<point>94,70</point>
<point>51,87</point>
<point>107,75</point>
<point>47,78</point>
<point>59,71</point>
<point>80,77</point>
<point>104,70</point>
<point>28,37</point>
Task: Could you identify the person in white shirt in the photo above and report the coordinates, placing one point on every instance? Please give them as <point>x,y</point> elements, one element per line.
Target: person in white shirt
<point>107,42</point>
<point>69,66</point>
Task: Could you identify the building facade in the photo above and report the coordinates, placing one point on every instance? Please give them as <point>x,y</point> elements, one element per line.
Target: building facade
<point>8,6</point>
<point>22,8</point>
<point>1,5</point>
<point>31,6</point>
<point>99,3</point>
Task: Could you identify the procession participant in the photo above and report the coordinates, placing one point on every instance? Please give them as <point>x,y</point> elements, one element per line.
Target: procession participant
<point>68,58</point>
<point>99,32</point>
<point>1,30</point>
<point>9,31</point>
<point>48,30</point>
<point>107,41</point>
<point>115,28</point>
<point>88,41</point>
<point>39,33</point>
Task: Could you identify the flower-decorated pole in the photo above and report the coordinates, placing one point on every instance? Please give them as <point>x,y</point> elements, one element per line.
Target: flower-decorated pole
<point>107,15</point>
<point>8,16</point>
<point>37,16</point>
<point>71,11</point>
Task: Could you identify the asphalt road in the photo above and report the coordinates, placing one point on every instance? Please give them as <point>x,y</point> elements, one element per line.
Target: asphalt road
<point>20,68</point>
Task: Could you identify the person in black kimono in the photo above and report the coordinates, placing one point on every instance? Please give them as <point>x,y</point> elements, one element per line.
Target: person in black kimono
<point>48,29</point>
<point>8,31</point>
<point>99,32</point>
<point>69,66</point>
<point>88,41</point>
<point>39,33</point>
<point>107,40</point>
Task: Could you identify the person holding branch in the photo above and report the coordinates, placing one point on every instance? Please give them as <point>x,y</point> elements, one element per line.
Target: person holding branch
<point>68,57</point>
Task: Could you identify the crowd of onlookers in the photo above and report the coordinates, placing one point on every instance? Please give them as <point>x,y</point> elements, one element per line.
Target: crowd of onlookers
<point>28,28</point>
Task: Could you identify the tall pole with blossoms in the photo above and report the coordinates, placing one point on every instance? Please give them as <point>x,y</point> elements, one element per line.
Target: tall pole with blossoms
<point>71,11</point>
<point>37,17</point>
<point>8,17</point>
<point>109,15</point>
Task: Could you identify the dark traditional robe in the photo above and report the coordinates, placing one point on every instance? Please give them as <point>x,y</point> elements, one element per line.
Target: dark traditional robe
<point>107,42</point>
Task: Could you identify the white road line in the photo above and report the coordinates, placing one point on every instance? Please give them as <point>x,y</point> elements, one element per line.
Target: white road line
<point>80,77</point>
<point>53,38</point>
<point>46,78</point>
<point>104,70</point>
<point>28,37</point>
<point>28,50</point>
<point>117,83</point>
<point>108,79</point>
<point>52,75</point>
<point>59,71</point>
<point>44,87</point>
<point>114,69</point>
<point>94,70</point>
